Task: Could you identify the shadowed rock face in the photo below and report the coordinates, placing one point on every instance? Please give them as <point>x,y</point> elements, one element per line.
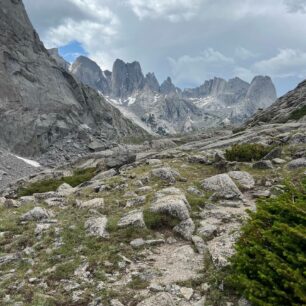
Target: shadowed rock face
<point>282,110</point>
<point>41,103</point>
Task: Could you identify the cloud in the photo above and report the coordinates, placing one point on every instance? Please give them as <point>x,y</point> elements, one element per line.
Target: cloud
<point>210,63</point>
<point>244,54</point>
<point>173,10</point>
<point>295,6</point>
<point>286,63</point>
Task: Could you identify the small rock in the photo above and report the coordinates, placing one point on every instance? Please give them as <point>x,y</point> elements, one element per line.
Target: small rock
<point>37,214</point>
<point>194,191</point>
<point>199,244</point>
<point>198,159</point>
<point>97,226</point>
<point>187,293</point>
<point>10,203</point>
<point>133,218</point>
<point>207,231</point>
<point>160,299</point>
<point>297,163</point>
<point>261,194</point>
<point>166,174</point>
<point>93,203</point>
<point>65,189</point>
<point>275,153</point>
<point>185,228</point>
<point>278,161</point>
<point>116,303</point>
<point>145,189</point>
<point>105,175</point>
<point>137,243</point>
<point>263,164</point>
<point>244,179</point>
<point>154,162</point>
<point>136,202</point>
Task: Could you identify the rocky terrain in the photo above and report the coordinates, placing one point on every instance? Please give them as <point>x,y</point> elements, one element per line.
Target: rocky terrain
<point>143,225</point>
<point>42,107</point>
<point>166,109</point>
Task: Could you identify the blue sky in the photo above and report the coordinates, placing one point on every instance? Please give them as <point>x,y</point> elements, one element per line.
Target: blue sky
<point>188,40</point>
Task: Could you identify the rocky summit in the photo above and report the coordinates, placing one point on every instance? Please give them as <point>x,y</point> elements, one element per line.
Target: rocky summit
<point>166,109</point>
<point>104,203</point>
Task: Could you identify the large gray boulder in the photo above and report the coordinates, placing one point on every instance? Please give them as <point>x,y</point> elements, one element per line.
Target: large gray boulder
<point>244,179</point>
<point>96,226</point>
<point>222,186</point>
<point>37,214</point>
<point>297,163</point>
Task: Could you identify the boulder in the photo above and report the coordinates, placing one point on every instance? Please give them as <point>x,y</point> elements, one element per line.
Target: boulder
<point>37,214</point>
<point>278,161</point>
<point>96,226</point>
<point>185,228</point>
<point>160,299</point>
<point>166,174</point>
<point>263,164</point>
<point>244,179</point>
<point>297,163</point>
<point>171,201</point>
<point>194,191</point>
<point>65,189</point>
<point>198,159</point>
<point>136,201</point>
<point>274,153</point>
<point>105,175</point>
<point>120,157</point>
<point>93,203</point>
<point>133,219</point>
<point>223,187</point>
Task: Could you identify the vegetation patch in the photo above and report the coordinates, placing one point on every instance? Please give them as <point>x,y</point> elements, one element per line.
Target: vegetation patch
<point>298,113</point>
<point>79,176</point>
<point>157,221</point>
<point>270,263</point>
<point>247,152</point>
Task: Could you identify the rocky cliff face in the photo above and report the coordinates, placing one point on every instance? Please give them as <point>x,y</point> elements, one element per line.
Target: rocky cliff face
<point>89,73</point>
<point>59,60</point>
<point>168,109</point>
<point>41,103</point>
<point>290,106</point>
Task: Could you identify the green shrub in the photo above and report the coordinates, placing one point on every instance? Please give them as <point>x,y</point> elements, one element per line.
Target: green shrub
<point>79,176</point>
<point>269,267</point>
<point>157,221</point>
<point>298,113</point>
<point>247,152</point>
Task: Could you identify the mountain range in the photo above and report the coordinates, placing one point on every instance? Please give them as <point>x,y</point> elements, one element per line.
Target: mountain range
<point>167,109</point>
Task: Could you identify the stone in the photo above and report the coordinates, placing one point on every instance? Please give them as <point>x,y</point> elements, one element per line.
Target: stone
<point>11,203</point>
<point>27,200</point>
<point>145,189</point>
<point>223,187</point>
<point>93,203</point>
<point>37,214</point>
<point>172,202</point>
<point>243,302</point>
<point>261,194</point>
<point>263,164</point>
<point>40,228</point>
<point>136,202</point>
<point>298,138</point>
<point>274,153</point>
<point>8,258</point>
<point>160,299</point>
<point>244,179</point>
<point>199,244</point>
<point>198,159</point>
<point>166,174</point>
<point>194,191</point>
<point>187,293</point>
<point>207,231</point>
<point>137,243</point>
<point>154,162</point>
<point>278,161</point>
<point>96,226</point>
<point>116,303</point>
<point>297,163</point>
<point>65,189</point>
<point>133,219</point>
<point>121,156</point>
<point>185,228</point>
<point>105,175</point>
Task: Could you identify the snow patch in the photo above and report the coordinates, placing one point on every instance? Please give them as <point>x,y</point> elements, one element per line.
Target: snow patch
<point>29,161</point>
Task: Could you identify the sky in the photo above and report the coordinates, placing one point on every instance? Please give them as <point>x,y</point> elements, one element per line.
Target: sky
<point>189,40</point>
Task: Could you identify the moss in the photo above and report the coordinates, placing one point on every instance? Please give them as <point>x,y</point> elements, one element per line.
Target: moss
<point>79,176</point>
<point>157,221</point>
<point>298,113</point>
<point>247,152</point>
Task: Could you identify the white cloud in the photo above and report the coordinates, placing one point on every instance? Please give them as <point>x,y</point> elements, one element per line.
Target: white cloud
<point>286,63</point>
<point>173,10</point>
<point>96,30</point>
<point>210,63</point>
<point>244,54</point>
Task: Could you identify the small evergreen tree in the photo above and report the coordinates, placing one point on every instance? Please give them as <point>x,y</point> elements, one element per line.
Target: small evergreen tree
<point>269,267</point>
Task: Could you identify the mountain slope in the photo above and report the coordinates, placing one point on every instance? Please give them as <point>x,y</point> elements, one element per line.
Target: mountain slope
<point>290,106</point>
<point>167,109</point>
<point>41,103</point>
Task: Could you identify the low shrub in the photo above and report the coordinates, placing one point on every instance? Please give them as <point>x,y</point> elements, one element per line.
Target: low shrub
<point>157,221</point>
<point>269,267</point>
<point>79,176</point>
<point>298,113</point>
<point>247,152</point>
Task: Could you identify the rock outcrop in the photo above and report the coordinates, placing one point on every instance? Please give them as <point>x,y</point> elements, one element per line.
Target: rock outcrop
<point>41,103</point>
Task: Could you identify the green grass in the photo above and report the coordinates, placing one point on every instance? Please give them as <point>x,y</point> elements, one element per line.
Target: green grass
<point>247,152</point>
<point>79,176</point>
<point>298,114</point>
